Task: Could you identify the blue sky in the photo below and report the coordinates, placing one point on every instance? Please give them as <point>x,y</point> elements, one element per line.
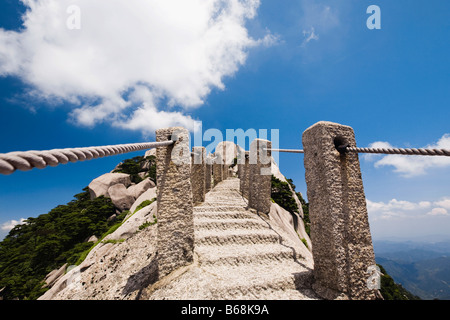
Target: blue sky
<point>264,65</point>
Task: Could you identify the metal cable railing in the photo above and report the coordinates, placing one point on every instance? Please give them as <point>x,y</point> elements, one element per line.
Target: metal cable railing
<point>408,151</point>
<point>286,150</point>
<point>27,160</point>
<point>402,151</point>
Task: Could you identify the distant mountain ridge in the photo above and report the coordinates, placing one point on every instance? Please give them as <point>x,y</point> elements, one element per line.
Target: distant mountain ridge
<point>422,268</point>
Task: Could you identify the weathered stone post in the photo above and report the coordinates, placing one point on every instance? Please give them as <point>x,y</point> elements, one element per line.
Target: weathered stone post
<point>240,161</point>
<point>224,172</point>
<point>217,169</point>
<point>198,173</point>
<point>240,165</point>
<point>208,174</point>
<point>341,241</point>
<point>260,176</point>
<point>245,175</point>
<point>224,161</point>
<point>174,195</point>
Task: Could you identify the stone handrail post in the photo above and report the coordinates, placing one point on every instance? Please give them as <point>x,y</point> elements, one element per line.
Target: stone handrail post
<point>260,176</point>
<point>225,161</point>
<point>208,174</point>
<point>244,174</point>
<point>340,235</point>
<point>198,173</point>
<point>175,225</point>
<point>240,162</point>
<point>217,169</point>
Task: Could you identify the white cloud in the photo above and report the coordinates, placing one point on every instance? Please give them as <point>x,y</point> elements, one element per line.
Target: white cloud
<point>8,225</point>
<point>395,208</point>
<point>407,219</point>
<point>131,58</point>
<point>309,35</point>
<point>438,211</point>
<point>445,203</point>
<point>410,166</point>
<point>317,18</point>
<point>400,209</point>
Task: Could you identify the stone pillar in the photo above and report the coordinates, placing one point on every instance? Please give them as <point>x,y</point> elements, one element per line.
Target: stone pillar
<point>240,169</point>
<point>198,173</point>
<point>208,174</point>
<point>217,169</point>
<point>244,176</point>
<point>240,162</point>
<point>227,160</point>
<point>175,243</point>
<point>340,235</point>
<point>224,161</point>
<point>260,176</point>
<point>224,172</point>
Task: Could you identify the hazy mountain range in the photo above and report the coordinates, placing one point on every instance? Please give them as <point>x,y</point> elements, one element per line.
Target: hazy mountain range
<point>423,268</point>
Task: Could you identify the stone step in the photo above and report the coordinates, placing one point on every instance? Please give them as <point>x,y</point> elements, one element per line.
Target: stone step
<point>223,196</point>
<point>280,275</point>
<point>238,254</point>
<point>219,215</point>
<point>237,236</point>
<point>225,200</point>
<point>239,257</point>
<point>227,191</point>
<point>222,191</point>
<point>277,281</point>
<point>212,208</point>
<point>220,204</point>
<point>226,186</point>
<point>208,222</point>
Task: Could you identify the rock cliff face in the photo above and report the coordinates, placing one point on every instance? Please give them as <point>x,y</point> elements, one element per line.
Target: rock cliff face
<point>118,268</point>
<point>285,217</point>
<point>263,256</point>
<point>100,186</point>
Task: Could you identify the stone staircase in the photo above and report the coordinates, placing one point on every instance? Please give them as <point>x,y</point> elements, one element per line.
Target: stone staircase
<point>239,255</point>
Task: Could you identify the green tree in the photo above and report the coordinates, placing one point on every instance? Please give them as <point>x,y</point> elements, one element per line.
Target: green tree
<point>393,291</point>
<point>305,208</point>
<point>32,249</point>
<point>137,165</point>
<point>282,195</point>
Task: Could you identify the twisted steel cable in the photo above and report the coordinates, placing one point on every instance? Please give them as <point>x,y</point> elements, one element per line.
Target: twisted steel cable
<point>408,151</point>
<point>285,150</point>
<point>27,160</point>
<point>402,151</point>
